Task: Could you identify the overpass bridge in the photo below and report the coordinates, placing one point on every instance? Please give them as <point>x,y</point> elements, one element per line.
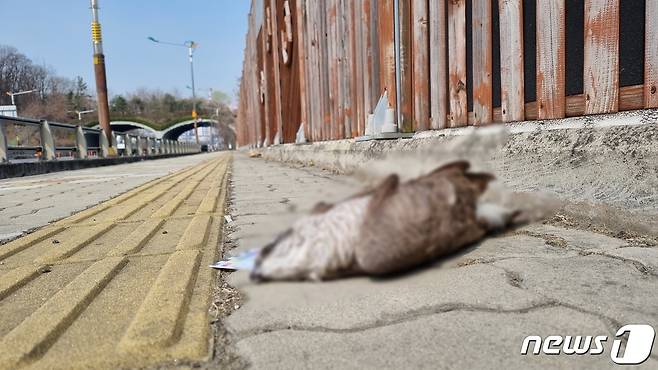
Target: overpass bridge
<point>173,130</point>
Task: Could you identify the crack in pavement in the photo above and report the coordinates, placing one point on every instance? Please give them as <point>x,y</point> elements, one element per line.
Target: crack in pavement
<point>552,240</point>
<point>32,212</point>
<point>611,324</point>
<point>559,242</point>
<point>639,266</point>
<point>413,315</point>
<point>635,239</point>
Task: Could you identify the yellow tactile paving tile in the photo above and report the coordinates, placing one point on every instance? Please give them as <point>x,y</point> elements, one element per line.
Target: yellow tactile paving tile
<point>120,285</point>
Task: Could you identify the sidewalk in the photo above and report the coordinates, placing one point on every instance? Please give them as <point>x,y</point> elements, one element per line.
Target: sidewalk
<point>472,312</point>
<point>33,201</point>
<point>124,284</point>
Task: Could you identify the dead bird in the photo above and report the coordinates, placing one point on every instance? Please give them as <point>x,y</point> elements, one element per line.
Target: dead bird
<point>391,228</point>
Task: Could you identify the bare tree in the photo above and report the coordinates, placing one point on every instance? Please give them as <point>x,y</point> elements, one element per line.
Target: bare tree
<point>57,97</point>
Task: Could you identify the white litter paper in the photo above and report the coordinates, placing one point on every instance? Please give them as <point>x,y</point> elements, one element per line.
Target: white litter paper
<point>243,261</point>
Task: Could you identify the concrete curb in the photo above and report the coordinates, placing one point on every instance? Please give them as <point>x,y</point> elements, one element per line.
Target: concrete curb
<point>583,134</point>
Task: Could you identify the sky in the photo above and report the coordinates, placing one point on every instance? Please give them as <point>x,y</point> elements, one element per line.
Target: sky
<point>57,33</point>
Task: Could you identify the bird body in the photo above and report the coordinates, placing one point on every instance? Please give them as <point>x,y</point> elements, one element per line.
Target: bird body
<point>391,228</point>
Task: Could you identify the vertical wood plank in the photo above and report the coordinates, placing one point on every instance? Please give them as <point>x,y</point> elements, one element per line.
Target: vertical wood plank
<point>406,66</point>
<point>314,71</point>
<point>368,65</point>
<point>601,56</point>
<point>310,69</point>
<point>331,60</point>
<point>386,31</point>
<point>243,90</point>
<point>511,60</point>
<point>651,55</point>
<point>550,59</point>
<point>421,70</point>
<point>276,54</point>
<point>248,78</point>
<point>482,63</point>
<point>339,127</point>
<point>244,120</point>
<point>252,87</point>
<point>375,83</point>
<point>250,83</point>
<point>335,92</point>
<point>258,44</point>
<point>271,92</point>
<point>240,119</point>
<point>344,56</point>
<point>324,70</point>
<point>457,65</point>
<point>266,87</point>
<point>300,38</point>
<point>340,72</point>
<point>245,86</point>
<point>358,50</point>
<point>349,97</point>
<point>438,64</point>
<point>318,115</point>
<point>254,75</point>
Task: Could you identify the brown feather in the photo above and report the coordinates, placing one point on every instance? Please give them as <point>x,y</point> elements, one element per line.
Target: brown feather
<point>420,221</point>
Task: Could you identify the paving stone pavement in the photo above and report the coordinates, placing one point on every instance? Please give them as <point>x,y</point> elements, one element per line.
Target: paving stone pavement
<point>124,284</point>
<point>33,201</point>
<point>472,310</point>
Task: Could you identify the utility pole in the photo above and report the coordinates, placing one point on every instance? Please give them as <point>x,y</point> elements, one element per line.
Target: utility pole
<point>101,78</point>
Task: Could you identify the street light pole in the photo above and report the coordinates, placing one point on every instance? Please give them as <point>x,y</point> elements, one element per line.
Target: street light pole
<point>190,45</point>
<point>80,113</point>
<point>190,49</point>
<point>12,94</point>
<point>100,74</point>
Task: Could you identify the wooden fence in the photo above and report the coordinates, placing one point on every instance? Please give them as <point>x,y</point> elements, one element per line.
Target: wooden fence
<point>443,63</point>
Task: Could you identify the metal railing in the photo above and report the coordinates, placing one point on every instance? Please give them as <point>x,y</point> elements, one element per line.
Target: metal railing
<point>29,140</point>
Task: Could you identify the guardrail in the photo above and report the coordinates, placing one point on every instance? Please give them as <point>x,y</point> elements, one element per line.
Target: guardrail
<point>29,140</point>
